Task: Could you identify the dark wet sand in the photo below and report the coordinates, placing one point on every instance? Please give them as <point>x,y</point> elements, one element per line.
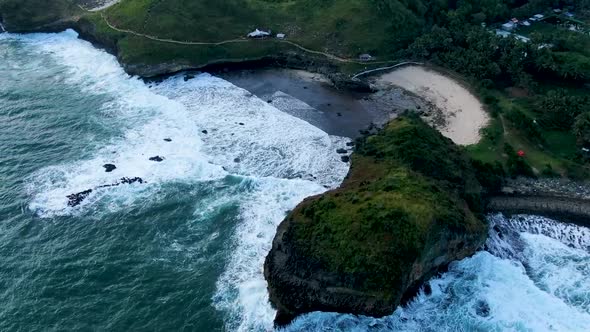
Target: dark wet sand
<point>341,113</point>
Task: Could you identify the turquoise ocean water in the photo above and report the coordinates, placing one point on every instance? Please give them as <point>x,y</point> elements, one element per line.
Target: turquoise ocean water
<point>183,249</point>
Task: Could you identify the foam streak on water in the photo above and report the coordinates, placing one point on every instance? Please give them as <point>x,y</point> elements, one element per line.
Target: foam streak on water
<point>286,159</point>
<point>236,161</point>
<point>526,281</point>
<point>144,120</point>
<point>217,131</point>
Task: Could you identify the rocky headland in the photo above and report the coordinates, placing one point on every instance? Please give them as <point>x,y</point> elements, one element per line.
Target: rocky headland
<point>409,206</point>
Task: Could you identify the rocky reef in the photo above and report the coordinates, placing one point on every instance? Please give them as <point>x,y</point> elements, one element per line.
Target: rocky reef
<point>410,205</point>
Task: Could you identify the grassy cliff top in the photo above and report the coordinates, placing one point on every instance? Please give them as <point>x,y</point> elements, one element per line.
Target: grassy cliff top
<point>23,15</point>
<point>407,186</point>
<point>344,28</point>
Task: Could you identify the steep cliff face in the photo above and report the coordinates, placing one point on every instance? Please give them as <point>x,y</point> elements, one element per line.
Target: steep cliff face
<point>38,15</point>
<point>403,213</point>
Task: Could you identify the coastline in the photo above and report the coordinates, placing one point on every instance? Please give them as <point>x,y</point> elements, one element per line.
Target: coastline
<point>530,203</point>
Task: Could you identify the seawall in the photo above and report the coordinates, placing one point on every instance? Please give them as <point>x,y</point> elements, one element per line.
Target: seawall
<point>569,209</point>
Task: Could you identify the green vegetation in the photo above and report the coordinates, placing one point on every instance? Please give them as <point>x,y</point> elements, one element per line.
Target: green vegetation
<point>408,186</point>
<point>337,27</point>
<point>535,91</point>
<point>24,15</point>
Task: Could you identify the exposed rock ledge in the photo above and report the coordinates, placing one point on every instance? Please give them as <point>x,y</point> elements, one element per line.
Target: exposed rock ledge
<point>400,217</point>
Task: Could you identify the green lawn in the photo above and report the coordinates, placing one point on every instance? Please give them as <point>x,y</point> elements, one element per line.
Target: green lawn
<point>558,148</point>
<point>339,27</point>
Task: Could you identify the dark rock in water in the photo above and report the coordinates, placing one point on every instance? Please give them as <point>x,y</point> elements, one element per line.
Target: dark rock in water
<point>241,123</point>
<point>350,144</point>
<point>269,101</point>
<point>482,308</point>
<point>168,139</point>
<point>76,199</point>
<point>342,151</point>
<point>305,88</point>
<point>498,230</point>
<point>205,132</point>
<point>237,160</point>
<point>109,167</point>
<point>339,114</point>
<point>188,77</point>
<point>427,289</point>
<point>157,159</point>
<point>132,180</point>
<point>345,159</point>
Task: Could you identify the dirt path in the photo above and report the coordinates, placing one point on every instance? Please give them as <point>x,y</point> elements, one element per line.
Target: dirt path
<point>239,40</point>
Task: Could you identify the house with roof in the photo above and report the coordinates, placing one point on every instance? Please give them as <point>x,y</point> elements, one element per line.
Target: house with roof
<point>365,57</point>
<point>508,26</point>
<point>258,34</point>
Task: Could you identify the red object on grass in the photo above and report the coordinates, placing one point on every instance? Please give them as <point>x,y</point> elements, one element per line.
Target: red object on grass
<point>521,153</point>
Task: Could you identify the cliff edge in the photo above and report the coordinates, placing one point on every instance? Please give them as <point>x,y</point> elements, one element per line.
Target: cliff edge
<point>409,206</point>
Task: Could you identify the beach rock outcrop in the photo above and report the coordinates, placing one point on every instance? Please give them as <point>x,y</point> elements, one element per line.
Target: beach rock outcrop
<point>409,206</point>
<point>109,167</point>
<point>77,198</point>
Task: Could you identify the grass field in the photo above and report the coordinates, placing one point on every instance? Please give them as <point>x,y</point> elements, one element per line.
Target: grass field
<point>338,27</point>
<point>557,151</point>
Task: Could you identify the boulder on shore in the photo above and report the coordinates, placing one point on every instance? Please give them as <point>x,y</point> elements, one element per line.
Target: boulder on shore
<point>408,208</point>
<point>109,167</point>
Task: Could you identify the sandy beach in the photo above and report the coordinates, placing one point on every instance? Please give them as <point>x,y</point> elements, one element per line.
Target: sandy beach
<point>312,98</point>
<point>462,112</point>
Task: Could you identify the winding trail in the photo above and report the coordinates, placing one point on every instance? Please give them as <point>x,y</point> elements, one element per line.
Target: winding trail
<point>232,41</point>
<point>387,68</point>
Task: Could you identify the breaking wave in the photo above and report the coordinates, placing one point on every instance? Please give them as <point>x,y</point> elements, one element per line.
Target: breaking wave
<point>532,275</point>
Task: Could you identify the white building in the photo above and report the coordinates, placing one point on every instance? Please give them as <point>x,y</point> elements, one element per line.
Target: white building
<point>508,26</point>
<point>365,57</point>
<point>258,34</point>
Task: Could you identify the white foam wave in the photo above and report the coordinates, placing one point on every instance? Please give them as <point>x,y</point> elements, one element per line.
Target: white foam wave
<point>146,118</point>
<point>242,289</point>
<point>286,160</point>
<point>282,159</point>
<point>481,293</point>
<point>569,234</point>
<point>250,137</point>
<point>559,269</point>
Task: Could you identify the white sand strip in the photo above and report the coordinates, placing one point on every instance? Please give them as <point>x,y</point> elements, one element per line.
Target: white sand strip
<point>464,113</point>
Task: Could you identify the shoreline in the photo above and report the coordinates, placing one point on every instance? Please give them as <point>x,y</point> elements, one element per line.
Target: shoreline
<point>340,81</point>
<point>458,113</point>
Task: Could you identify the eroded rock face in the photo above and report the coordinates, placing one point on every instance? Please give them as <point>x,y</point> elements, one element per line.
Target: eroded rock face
<point>298,284</point>
<point>401,216</point>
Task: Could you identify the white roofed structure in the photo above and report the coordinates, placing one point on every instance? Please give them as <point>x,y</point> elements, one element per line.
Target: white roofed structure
<point>258,34</point>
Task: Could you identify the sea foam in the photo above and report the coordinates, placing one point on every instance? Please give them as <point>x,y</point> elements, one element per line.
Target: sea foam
<point>284,160</point>
<point>144,119</point>
<point>217,131</point>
